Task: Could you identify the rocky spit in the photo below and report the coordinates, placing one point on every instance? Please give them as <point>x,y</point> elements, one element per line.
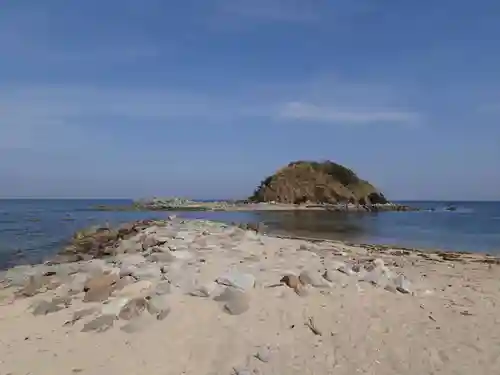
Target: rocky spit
<point>199,297</point>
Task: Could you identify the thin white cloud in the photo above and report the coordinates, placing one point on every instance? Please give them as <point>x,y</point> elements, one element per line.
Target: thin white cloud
<point>332,114</point>
<point>51,116</point>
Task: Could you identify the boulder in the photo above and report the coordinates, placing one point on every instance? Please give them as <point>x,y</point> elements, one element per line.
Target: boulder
<point>133,308</point>
<point>100,324</point>
<point>238,280</point>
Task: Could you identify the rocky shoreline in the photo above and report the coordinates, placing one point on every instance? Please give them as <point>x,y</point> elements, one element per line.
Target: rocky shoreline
<point>170,291</point>
<point>188,205</point>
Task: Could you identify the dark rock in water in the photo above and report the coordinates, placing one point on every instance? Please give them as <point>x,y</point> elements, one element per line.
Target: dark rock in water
<point>99,242</point>
<point>450,208</point>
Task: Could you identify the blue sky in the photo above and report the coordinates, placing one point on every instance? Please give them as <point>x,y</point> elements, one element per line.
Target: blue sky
<point>128,98</point>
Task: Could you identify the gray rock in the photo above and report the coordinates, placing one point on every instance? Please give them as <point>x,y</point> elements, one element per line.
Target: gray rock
<point>237,306</point>
<point>158,306</point>
<point>33,286</point>
<point>162,288</point>
<point>100,324</point>
<point>242,281</point>
<point>403,285</point>
<point>133,308</point>
<point>128,246</point>
<point>123,282</point>
<point>115,306</point>
<point>151,272</point>
<point>77,284</point>
<point>263,354</point>
<point>143,288</point>
<point>236,301</point>
<point>131,260</point>
<point>204,290</point>
<point>163,257</point>
<point>19,275</point>
<point>94,267</point>
<point>312,278</point>
<point>127,270</point>
<point>77,315</point>
<point>44,307</point>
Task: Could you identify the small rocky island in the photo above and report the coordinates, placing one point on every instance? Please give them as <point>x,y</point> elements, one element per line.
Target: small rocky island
<point>301,185</point>
<point>317,182</point>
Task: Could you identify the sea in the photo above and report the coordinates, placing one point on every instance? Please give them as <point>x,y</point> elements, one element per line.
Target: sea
<point>32,230</point>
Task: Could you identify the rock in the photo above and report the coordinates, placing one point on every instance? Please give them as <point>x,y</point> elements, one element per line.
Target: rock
<point>129,246</point>
<point>33,285</point>
<point>403,285</point>
<point>115,306</point>
<point>101,281</point>
<point>236,301</point>
<point>127,270</point>
<point>99,288</point>
<point>162,288</point>
<point>100,324</point>
<point>131,260</point>
<point>133,308</point>
<point>162,257</point>
<point>242,281</point>
<point>344,268</point>
<point>312,278</point>
<point>292,281</point>
<point>158,306</point>
<point>263,354</point>
<point>123,282</point>
<point>237,306</point>
<point>99,294</point>
<point>204,290</point>
<point>151,272</point>
<point>44,307</point>
<point>77,315</point>
<point>143,288</point>
<point>77,284</point>
<point>182,255</point>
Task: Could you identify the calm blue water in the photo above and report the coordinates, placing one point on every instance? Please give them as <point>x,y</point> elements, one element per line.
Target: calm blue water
<point>33,230</point>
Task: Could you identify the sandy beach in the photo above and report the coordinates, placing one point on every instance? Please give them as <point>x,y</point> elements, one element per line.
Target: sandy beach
<point>199,298</point>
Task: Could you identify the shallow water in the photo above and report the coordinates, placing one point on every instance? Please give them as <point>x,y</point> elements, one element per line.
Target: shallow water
<point>33,230</point>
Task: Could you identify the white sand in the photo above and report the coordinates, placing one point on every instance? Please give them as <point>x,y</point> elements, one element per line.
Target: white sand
<point>449,325</point>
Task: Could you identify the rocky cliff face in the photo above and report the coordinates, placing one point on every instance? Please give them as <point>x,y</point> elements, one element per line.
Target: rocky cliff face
<point>314,182</point>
